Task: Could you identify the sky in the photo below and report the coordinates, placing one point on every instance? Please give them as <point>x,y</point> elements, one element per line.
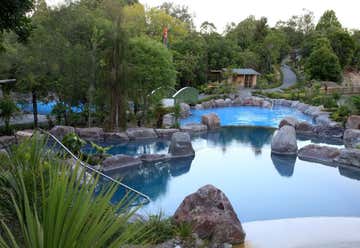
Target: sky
<point>222,12</point>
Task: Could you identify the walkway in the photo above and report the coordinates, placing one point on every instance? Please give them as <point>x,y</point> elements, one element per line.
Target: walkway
<point>319,232</point>
<point>289,78</point>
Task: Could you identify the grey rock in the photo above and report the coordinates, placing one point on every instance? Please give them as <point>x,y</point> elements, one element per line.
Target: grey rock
<point>168,120</point>
<point>211,215</point>
<point>290,121</point>
<point>61,131</point>
<point>266,104</point>
<point>151,158</point>
<point>238,101</point>
<point>353,122</point>
<point>198,106</point>
<point>166,133</point>
<point>317,153</point>
<point>181,146</point>
<point>219,103</point>
<point>91,133</point>
<point>323,120</point>
<point>352,138</point>
<point>24,135</point>
<point>184,110</point>
<point>228,102</point>
<point>304,128</point>
<point>332,130</point>
<point>211,120</point>
<point>141,133</point>
<point>116,137</point>
<point>6,141</point>
<point>120,161</point>
<point>349,157</point>
<point>206,105</point>
<point>194,128</point>
<point>284,141</point>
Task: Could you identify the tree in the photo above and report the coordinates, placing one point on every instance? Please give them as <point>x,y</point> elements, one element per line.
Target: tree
<point>14,17</point>
<point>190,59</point>
<point>180,12</point>
<point>151,66</point>
<point>8,110</point>
<point>323,64</point>
<point>328,21</point>
<point>343,46</point>
<point>207,28</point>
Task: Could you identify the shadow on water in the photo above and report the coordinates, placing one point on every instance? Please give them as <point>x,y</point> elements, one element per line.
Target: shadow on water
<point>349,172</point>
<point>284,165</point>
<point>151,178</point>
<point>256,137</point>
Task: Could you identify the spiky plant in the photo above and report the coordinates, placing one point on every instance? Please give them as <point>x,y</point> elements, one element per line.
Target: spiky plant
<point>55,207</point>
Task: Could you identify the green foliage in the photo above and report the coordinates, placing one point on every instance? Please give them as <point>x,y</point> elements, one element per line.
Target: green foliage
<point>73,142</point>
<point>62,211</point>
<point>356,102</point>
<point>8,109</point>
<point>162,229</point>
<point>341,114</point>
<point>177,114</point>
<point>184,230</point>
<point>328,21</point>
<point>343,46</point>
<point>323,64</point>
<point>14,17</point>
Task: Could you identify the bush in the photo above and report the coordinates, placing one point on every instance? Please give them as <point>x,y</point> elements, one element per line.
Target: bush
<point>341,114</point>
<point>52,207</point>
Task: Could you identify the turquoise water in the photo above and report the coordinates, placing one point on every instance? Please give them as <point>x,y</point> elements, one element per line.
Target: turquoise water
<point>45,108</point>
<point>248,116</point>
<point>260,186</point>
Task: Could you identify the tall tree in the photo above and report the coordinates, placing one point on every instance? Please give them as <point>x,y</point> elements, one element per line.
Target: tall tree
<point>328,21</point>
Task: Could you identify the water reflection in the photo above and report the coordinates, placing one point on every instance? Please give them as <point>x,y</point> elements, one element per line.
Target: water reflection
<point>152,178</point>
<point>352,173</point>
<point>284,165</point>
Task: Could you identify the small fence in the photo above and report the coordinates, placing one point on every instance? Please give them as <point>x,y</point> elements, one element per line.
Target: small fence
<point>342,90</point>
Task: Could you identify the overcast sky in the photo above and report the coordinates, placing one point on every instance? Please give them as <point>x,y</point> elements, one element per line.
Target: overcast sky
<point>221,12</point>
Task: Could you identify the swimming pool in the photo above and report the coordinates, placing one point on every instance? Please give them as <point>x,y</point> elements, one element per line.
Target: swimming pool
<point>260,186</point>
<point>248,116</point>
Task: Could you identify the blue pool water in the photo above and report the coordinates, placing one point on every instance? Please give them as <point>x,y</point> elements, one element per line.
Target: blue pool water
<point>260,186</point>
<point>45,108</point>
<point>248,116</point>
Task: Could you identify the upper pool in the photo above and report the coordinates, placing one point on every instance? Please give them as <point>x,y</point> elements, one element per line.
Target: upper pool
<point>248,116</point>
<point>238,161</point>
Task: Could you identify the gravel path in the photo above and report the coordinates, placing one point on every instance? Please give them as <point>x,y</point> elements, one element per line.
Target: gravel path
<point>289,78</point>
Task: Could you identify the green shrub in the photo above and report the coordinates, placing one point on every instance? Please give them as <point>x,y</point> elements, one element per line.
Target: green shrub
<point>73,142</point>
<point>341,114</point>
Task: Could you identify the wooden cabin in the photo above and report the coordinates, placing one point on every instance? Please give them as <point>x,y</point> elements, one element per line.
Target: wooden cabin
<point>242,77</point>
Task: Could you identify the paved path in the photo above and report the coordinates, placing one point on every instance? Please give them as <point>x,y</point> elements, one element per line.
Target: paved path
<point>318,232</point>
<point>289,79</point>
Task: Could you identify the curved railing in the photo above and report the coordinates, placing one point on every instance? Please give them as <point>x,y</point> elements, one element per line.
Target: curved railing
<point>95,171</point>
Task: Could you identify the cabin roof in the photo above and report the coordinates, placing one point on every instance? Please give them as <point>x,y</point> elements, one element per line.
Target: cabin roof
<point>245,71</point>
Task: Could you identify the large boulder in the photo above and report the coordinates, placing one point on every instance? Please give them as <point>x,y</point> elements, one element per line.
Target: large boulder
<point>24,135</point>
<point>211,120</point>
<point>332,130</point>
<point>166,133</point>
<point>290,121</point>
<point>353,122</point>
<point>61,131</point>
<point>181,146</point>
<point>206,105</point>
<point>212,216</point>
<point>184,110</point>
<point>284,141</point>
<point>238,101</point>
<point>219,103</point>
<point>349,157</point>
<point>317,153</point>
<point>228,102</point>
<point>120,161</point>
<point>352,138</point>
<point>198,106</point>
<point>266,104</point>
<point>141,133</point>
<point>91,133</point>
<point>194,128</point>
<point>304,128</point>
<point>168,120</point>
<point>6,141</point>
<point>323,120</point>
<point>116,137</point>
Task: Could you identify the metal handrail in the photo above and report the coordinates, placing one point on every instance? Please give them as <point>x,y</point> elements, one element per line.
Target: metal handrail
<point>147,198</point>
